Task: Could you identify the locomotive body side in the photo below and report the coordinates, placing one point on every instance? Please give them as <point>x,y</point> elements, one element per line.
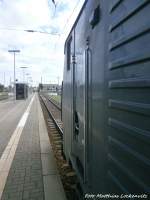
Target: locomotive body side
<point>106,96</point>
<point>85,97</point>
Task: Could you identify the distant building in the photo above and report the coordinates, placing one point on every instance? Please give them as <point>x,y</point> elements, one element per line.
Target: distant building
<point>59,89</point>
<point>50,88</point>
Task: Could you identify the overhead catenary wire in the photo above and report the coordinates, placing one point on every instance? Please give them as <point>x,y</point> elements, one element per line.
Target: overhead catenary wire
<point>70,16</point>
<point>10,29</point>
<point>67,22</point>
<point>44,32</point>
<point>55,4</point>
<point>59,34</point>
<point>29,30</point>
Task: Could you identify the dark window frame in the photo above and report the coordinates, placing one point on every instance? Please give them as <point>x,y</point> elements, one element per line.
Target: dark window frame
<point>69,53</point>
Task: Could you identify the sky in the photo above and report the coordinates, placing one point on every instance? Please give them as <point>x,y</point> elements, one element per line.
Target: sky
<point>41,53</point>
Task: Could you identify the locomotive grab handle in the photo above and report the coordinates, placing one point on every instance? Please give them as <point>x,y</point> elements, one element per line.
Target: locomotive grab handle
<point>88,67</point>
<point>76,123</point>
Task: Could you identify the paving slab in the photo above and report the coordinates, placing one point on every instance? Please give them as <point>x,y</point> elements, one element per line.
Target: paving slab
<point>46,148</point>
<point>48,164</point>
<point>33,174</point>
<point>25,179</point>
<point>53,188</point>
<point>10,114</point>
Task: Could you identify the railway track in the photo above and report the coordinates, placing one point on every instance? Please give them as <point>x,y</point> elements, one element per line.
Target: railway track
<point>54,111</point>
<point>57,104</point>
<point>53,101</point>
<point>52,116</point>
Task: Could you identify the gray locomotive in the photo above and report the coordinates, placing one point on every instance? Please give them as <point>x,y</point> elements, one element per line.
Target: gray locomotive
<point>106,97</point>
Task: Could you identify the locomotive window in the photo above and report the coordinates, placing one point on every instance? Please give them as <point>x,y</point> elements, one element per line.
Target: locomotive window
<point>69,53</point>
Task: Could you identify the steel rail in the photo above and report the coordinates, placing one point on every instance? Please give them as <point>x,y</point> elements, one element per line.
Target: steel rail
<point>51,116</point>
<point>56,105</point>
<point>54,102</point>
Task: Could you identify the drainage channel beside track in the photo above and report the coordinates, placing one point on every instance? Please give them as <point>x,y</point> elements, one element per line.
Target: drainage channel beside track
<point>54,125</point>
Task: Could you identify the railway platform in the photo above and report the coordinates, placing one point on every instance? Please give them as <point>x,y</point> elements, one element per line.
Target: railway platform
<point>28,169</point>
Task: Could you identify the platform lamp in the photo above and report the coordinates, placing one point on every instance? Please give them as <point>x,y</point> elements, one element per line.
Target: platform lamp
<point>14,51</point>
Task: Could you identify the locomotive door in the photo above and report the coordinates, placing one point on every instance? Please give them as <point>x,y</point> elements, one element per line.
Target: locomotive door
<point>81,110</point>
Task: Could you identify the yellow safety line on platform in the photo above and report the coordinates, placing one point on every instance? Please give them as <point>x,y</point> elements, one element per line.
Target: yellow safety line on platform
<point>9,152</point>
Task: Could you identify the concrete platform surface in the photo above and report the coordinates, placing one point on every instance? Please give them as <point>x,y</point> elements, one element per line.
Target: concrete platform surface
<point>28,169</point>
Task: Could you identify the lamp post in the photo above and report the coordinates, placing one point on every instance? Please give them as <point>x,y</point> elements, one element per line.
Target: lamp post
<point>23,68</point>
<point>14,51</point>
